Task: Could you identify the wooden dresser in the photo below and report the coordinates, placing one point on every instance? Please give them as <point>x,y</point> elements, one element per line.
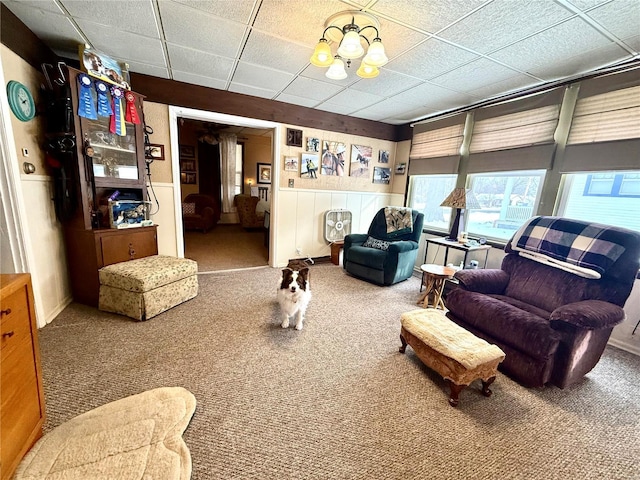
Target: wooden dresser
<point>22,408</point>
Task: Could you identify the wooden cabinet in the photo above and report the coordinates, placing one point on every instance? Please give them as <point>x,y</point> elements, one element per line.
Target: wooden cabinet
<point>105,163</point>
<point>22,409</point>
<point>90,250</point>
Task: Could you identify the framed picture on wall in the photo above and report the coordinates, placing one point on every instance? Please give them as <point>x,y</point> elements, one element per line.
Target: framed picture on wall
<point>188,178</point>
<point>290,164</point>
<point>313,144</point>
<point>187,151</point>
<point>264,173</point>
<point>294,137</point>
<point>383,156</point>
<point>309,165</point>
<point>188,165</point>
<point>381,175</point>
<point>401,168</point>
<point>360,158</point>
<point>154,151</point>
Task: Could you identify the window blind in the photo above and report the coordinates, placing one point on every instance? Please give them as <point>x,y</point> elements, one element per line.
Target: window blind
<point>531,127</point>
<point>435,147</point>
<point>607,116</point>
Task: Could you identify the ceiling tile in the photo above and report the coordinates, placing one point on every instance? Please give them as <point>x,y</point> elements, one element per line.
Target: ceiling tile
<point>354,99</point>
<point>124,44</point>
<point>253,91</point>
<point>397,39</point>
<point>517,82</point>
<point>586,4</point>
<point>428,16</point>
<point>199,63</point>
<point>386,84</point>
<point>312,89</point>
<point>582,63</point>
<point>410,115</point>
<point>429,94</point>
<point>236,11</point>
<point>261,77</point>
<point>430,59</point>
<point>135,17</point>
<point>386,108</point>
<point>621,18</point>
<point>503,22</point>
<point>182,26</point>
<point>303,24</point>
<point>633,42</point>
<point>199,80</point>
<point>341,109</point>
<point>296,100</point>
<point>153,70</point>
<point>474,75</point>
<point>25,5</point>
<point>551,46</point>
<point>52,28</point>
<point>262,49</point>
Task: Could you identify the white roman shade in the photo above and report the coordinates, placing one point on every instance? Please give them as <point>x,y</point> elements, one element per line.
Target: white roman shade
<point>532,127</point>
<point>605,130</point>
<point>435,147</point>
<point>517,135</point>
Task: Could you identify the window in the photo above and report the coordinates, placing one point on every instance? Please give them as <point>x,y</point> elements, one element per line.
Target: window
<point>239,183</point>
<point>618,205</point>
<point>613,185</point>
<point>507,200</point>
<point>426,193</point>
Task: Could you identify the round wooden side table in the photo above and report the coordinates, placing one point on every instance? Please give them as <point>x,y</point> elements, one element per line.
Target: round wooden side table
<point>433,278</point>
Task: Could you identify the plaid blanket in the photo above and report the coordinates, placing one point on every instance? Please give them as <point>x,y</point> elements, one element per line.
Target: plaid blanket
<point>399,220</point>
<point>586,249</point>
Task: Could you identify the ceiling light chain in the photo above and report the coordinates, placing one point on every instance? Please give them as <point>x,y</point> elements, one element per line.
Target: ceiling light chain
<point>350,47</point>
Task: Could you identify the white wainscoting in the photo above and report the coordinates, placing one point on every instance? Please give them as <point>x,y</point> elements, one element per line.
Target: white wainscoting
<point>300,222</point>
<point>47,258</point>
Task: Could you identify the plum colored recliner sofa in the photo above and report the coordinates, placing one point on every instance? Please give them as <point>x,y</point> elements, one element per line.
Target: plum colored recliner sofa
<point>553,325</point>
<point>391,257</point>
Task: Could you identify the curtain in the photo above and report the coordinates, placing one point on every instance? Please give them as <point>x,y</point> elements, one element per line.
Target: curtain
<point>228,143</point>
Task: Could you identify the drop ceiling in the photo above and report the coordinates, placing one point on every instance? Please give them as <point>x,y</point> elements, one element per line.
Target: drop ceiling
<point>443,54</point>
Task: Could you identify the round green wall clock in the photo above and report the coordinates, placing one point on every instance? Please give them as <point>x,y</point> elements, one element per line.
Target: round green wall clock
<point>21,101</point>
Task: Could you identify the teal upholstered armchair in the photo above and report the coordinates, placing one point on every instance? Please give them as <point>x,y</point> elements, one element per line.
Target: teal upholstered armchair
<point>383,255</point>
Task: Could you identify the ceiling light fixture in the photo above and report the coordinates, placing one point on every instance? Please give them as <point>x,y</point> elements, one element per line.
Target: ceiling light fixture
<point>346,28</point>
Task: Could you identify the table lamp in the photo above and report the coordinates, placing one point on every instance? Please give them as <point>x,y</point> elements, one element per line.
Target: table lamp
<point>460,199</point>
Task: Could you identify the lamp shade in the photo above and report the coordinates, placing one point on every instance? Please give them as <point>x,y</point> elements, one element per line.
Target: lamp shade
<point>336,71</point>
<point>461,198</point>
<point>322,54</point>
<point>350,47</point>
<point>367,71</point>
<point>375,54</point>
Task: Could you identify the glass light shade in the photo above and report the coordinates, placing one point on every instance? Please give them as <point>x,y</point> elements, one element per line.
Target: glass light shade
<point>375,54</point>
<point>367,71</point>
<point>350,47</point>
<point>322,54</point>
<point>336,71</point>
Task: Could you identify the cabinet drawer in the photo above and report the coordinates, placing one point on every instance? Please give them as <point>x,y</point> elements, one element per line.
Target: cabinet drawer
<point>20,402</point>
<point>129,246</point>
<point>14,324</point>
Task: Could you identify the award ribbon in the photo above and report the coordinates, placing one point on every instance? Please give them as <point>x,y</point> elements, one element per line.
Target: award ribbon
<point>132,113</point>
<point>86,107</point>
<point>104,107</point>
<point>116,125</point>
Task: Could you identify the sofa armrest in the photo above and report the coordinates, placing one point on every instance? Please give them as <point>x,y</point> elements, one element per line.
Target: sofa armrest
<point>355,239</point>
<point>489,280</point>
<point>207,212</point>
<point>402,246</point>
<point>589,314</point>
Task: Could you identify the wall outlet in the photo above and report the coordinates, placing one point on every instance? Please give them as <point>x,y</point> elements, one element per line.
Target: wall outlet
<point>298,251</point>
<point>291,183</point>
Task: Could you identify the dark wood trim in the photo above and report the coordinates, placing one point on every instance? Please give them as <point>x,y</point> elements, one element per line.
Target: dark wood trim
<point>180,94</point>
<point>22,41</point>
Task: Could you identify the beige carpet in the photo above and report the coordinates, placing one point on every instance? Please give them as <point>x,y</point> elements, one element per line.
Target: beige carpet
<point>336,400</point>
<point>226,247</point>
<point>138,437</point>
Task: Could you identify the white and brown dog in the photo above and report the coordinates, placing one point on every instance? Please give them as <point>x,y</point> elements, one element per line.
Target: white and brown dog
<point>294,293</point>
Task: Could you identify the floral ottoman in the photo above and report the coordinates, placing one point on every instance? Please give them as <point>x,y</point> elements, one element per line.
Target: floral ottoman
<point>148,286</point>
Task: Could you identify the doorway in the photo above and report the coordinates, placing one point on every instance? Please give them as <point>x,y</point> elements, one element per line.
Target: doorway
<point>227,246</point>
